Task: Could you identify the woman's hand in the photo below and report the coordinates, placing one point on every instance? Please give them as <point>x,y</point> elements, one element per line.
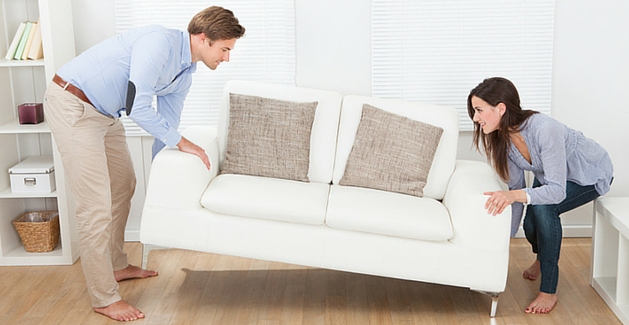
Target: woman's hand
<point>499,200</point>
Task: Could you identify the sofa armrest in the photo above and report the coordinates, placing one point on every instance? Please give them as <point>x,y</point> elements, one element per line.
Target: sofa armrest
<point>178,179</point>
<point>464,198</point>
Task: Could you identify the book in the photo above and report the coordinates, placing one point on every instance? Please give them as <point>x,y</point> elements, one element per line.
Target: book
<point>36,51</point>
<point>16,41</point>
<point>22,44</point>
<point>29,41</point>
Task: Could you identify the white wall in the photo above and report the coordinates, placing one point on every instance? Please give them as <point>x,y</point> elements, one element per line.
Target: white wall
<point>333,45</point>
<point>94,21</point>
<point>591,79</point>
<point>590,74</point>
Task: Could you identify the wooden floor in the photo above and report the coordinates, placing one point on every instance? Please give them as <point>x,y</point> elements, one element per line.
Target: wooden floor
<point>201,288</point>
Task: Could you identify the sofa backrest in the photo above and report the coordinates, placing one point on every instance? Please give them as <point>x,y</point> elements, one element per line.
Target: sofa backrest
<point>324,128</point>
<point>446,118</point>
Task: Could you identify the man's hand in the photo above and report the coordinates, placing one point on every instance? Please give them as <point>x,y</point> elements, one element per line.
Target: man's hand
<point>186,146</point>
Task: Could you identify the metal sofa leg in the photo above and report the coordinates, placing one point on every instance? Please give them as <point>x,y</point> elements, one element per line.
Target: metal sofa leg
<point>494,301</point>
<point>146,249</point>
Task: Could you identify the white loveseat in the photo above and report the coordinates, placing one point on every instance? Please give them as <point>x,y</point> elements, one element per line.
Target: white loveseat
<point>445,237</point>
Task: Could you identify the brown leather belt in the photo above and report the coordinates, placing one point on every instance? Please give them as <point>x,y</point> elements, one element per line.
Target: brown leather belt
<point>71,89</point>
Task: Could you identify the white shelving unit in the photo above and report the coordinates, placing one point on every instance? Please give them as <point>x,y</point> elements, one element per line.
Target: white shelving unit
<point>610,254</point>
<point>24,81</point>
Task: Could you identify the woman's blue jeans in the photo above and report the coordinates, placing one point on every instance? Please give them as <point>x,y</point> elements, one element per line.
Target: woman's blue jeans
<point>542,227</point>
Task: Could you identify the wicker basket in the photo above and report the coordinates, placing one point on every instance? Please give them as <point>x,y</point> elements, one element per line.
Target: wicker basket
<point>38,230</point>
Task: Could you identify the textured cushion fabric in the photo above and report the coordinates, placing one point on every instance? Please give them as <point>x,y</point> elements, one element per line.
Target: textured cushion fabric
<point>324,128</point>
<point>268,137</point>
<point>267,198</point>
<point>444,117</point>
<point>386,213</point>
<point>391,153</point>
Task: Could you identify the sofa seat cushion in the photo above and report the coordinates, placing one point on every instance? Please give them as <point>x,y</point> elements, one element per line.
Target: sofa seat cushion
<point>387,213</point>
<point>267,198</point>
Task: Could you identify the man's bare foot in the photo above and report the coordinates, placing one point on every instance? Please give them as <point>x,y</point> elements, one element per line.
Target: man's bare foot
<point>133,272</point>
<point>532,272</point>
<point>543,304</point>
<point>120,311</point>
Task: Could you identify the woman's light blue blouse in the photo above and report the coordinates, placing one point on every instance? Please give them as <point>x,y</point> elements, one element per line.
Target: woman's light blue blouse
<point>558,154</point>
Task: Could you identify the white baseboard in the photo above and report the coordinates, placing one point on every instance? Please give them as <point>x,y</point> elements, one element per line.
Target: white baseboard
<point>577,231</point>
<point>132,235</point>
<point>568,231</point>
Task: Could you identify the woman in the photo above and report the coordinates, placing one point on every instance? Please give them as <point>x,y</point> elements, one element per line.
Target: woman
<point>570,170</point>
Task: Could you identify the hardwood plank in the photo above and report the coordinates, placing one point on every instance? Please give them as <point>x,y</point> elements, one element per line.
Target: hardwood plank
<point>68,302</point>
<point>315,297</point>
<point>24,295</point>
<point>420,293</point>
<point>293,304</point>
<point>399,302</point>
<point>356,300</point>
<point>509,311</point>
<point>212,291</point>
<point>378,302</point>
<point>158,300</point>
<point>79,310</point>
<point>273,294</point>
<point>465,307</point>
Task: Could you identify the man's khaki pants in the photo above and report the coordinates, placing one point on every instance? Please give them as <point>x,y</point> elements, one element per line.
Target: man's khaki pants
<point>100,174</point>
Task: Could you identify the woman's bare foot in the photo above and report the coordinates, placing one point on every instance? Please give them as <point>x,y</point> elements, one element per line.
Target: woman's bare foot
<point>120,311</point>
<point>532,272</point>
<point>133,272</point>
<point>543,304</point>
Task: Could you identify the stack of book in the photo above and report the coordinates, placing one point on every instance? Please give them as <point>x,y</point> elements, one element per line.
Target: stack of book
<point>26,44</point>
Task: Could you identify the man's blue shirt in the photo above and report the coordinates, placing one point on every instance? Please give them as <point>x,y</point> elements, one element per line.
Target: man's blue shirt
<point>156,59</point>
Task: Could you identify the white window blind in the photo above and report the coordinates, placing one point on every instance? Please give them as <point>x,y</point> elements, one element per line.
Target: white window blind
<point>266,52</point>
<point>436,51</point>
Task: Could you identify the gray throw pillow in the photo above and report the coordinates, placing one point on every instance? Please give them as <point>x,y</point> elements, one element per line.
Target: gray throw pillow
<point>268,137</point>
<point>391,153</point>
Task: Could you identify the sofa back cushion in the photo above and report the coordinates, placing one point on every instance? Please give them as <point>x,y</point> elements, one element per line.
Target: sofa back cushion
<point>268,137</point>
<point>324,125</point>
<point>444,118</point>
<point>391,153</point>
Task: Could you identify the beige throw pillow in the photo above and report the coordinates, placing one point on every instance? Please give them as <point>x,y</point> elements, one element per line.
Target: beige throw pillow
<point>391,153</point>
<point>268,137</point>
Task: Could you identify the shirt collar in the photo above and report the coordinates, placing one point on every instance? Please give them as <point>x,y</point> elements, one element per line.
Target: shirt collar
<point>186,55</point>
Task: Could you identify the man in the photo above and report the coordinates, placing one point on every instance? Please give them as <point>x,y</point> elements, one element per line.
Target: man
<point>83,105</point>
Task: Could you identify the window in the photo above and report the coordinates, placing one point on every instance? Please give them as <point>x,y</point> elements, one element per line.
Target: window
<point>436,51</point>
<point>266,52</point>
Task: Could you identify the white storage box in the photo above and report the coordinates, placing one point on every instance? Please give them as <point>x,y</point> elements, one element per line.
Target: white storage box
<point>33,175</point>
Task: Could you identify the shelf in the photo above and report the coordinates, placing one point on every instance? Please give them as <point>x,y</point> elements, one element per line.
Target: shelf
<point>14,126</point>
<point>607,285</point>
<point>25,81</point>
<point>21,63</point>
<point>7,194</point>
<point>614,210</point>
<point>610,254</point>
<point>606,288</point>
<point>20,256</point>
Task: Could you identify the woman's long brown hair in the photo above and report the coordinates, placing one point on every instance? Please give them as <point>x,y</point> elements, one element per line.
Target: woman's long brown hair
<point>496,144</point>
